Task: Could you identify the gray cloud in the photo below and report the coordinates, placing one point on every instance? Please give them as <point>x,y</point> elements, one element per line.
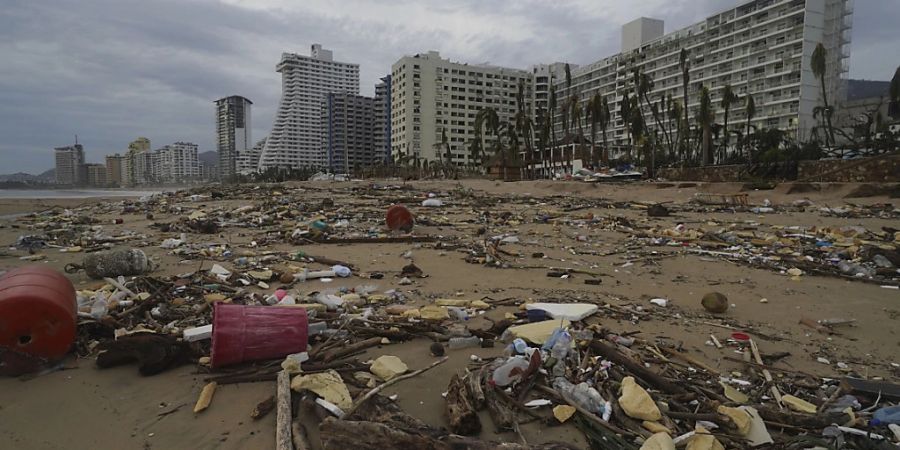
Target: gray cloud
<point>112,70</point>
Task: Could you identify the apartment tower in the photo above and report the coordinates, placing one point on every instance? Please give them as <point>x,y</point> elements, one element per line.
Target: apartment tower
<point>296,137</point>
<point>70,165</point>
<point>760,48</point>
<point>431,96</point>
<point>232,132</point>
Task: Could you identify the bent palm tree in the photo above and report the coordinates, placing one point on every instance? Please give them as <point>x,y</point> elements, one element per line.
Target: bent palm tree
<point>604,123</point>
<point>705,119</point>
<point>728,97</point>
<point>685,79</point>
<point>750,110</point>
<point>818,64</point>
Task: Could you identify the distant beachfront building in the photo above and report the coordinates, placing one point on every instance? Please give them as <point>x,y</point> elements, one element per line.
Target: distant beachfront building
<point>431,96</point>
<point>176,163</point>
<point>296,137</point>
<point>115,168</point>
<point>382,128</point>
<point>348,131</point>
<point>69,165</point>
<point>762,48</point>
<point>232,132</point>
<point>96,175</point>
<point>137,162</point>
<point>248,160</point>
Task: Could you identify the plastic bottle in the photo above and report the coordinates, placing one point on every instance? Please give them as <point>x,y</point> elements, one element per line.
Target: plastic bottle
<point>458,313</point>
<point>464,342</point>
<point>551,341</point>
<point>99,307</point>
<point>581,394</point>
<point>116,263</point>
<point>886,416</point>
<point>504,376</point>
<point>561,347</point>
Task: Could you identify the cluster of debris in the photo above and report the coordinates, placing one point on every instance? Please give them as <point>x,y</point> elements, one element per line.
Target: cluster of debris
<point>252,305</point>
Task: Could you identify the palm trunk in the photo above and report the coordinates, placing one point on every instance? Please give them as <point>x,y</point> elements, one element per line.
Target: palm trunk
<point>747,142</point>
<point>707,144</point>
<point>604,155</point>
<point>687,123</point>
<point>826,112</point>
<point>725,144</point>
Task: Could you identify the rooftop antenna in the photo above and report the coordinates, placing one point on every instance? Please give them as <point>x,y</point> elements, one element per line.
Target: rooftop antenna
<point>76,139</point>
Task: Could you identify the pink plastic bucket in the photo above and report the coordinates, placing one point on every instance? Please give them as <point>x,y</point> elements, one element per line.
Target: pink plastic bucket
<point>249,333</point>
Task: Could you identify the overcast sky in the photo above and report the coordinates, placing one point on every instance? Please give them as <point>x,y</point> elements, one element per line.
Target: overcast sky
<point>112,70</point>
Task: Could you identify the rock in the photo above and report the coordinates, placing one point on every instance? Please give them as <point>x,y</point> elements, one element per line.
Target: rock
<point>657,211</point>
<point>715,302</point>
<point>636,402</point>
<point>388,367</point>
<point>437,349</point>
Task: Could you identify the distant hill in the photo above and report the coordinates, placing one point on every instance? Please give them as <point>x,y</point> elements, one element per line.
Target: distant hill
<point>859,89</point>
<point>210,158</point>
<point>22,177</point>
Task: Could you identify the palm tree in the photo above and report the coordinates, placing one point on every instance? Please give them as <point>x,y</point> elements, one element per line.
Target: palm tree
<point>604,123</point>
<point>625,114</point>
<point>594,112</point>
<point>552,108</point>
<point>546,123</point>
<point>728,97</point>
<point>818,67</point>
<point>523,123</point>
<point>685,79</point>
<point>705,118</point>
<point>750,110</point>
<point>675,117</point>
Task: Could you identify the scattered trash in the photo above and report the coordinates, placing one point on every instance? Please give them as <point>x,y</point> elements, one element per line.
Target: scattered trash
<point>387,367</point>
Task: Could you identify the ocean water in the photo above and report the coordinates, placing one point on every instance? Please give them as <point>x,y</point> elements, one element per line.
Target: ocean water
<point>70,193</point>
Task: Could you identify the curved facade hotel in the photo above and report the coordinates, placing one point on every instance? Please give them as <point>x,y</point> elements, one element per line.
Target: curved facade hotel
<point>296,137</point>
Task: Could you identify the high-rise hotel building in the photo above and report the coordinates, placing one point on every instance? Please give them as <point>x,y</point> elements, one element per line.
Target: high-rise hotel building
<point>760,47</point>
<point>232,133</point>
<point>296,137</point>
<point>431,95</point>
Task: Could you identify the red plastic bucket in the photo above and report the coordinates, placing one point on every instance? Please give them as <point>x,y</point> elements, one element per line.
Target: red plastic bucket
<point>249,333</point>
<point>399,218</point>
<point>37,314</point>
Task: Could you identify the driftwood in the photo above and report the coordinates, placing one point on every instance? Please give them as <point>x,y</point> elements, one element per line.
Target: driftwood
<point>298,436</point>
<point>503,415</point>
<point>364,435</point>
<point>378,389</point>
<point>463,418</point>
<point>475,388</point>
<point>635,368</point>
<point>263,408</point>
<point>339,352</point>
<point>376,240</point>
<point>283,420</point>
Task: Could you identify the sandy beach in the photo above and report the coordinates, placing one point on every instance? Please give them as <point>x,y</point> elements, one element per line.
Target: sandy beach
<point>83,407</point>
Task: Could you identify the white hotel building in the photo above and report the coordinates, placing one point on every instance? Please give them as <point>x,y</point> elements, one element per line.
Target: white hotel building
<point>296,137</point>
<point>430,95</point>
<point>761,47</point>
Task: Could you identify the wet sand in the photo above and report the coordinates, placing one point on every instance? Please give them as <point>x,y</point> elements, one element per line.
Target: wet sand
<point>87,408</point>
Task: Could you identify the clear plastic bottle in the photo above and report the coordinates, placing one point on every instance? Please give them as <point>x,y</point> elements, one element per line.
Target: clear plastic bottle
<point>458,313</point>
<point>99,307</point>
<point>464,342</point>
<point>581,394</point>
<point>561,346</point>
<point>506,374</point>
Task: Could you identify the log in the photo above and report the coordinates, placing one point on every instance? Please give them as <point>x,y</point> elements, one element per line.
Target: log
<point>339,352</point>
<point>504,417</point>
<point>263,408</point>
<point>475,388</point>
<point>637,369</point>
<point>283,420</point>
<point>378,389</point>
<point>364,435</point>
<point>463,418</point>
<point>298,435</point>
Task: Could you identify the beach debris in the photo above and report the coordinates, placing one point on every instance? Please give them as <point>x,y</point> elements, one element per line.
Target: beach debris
<point>715,302</point>
<point>387,367</point>
<point>205,398</point>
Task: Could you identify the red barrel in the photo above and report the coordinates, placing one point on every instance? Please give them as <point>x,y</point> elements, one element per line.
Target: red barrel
<point>249,333</point>
<point>399,218</point>
<point>37,312</point>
